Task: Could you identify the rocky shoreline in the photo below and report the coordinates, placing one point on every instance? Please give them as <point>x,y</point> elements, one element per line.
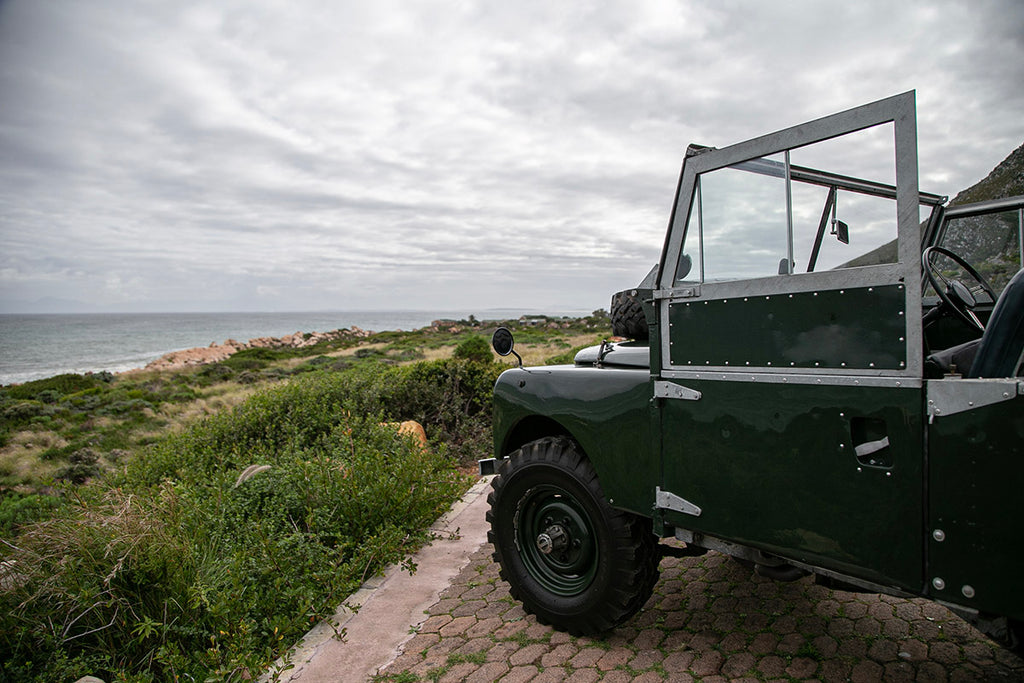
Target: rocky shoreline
<point>214,353</point>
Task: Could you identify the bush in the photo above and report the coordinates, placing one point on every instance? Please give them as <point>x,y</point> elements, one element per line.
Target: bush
<point>59,385</point>
<point>474,349</point>
<point>192,564</point>
<point>22,508</point>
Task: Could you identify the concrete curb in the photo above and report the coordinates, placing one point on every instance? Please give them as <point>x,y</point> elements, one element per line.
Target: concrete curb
<point>375,621</point>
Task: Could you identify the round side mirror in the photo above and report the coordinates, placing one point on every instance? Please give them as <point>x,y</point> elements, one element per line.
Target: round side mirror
<point>502,341</point>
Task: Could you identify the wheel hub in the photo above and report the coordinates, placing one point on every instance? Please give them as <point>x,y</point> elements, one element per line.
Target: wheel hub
<point>551,539</point>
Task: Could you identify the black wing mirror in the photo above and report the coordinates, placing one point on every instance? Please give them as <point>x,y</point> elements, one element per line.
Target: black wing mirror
<point>504,343</point>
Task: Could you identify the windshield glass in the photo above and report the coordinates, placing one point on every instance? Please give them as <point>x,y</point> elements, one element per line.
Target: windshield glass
<point>990,242</point>
<point>795,212</point>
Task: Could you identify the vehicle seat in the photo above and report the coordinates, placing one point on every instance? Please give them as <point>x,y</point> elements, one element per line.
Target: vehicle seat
<point>957,359</point>
<point>998,352</point>
<point>1000,349</point>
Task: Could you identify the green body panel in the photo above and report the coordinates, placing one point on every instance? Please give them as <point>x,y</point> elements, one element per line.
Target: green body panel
<point>606,410</point>
<point>826,329</point>
<point>773,466</point>
<point>975,487</point>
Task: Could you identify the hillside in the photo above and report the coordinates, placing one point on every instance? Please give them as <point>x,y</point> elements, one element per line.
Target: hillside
<point>1005,180</point>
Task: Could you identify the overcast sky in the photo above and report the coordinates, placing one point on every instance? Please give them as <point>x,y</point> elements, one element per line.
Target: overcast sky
<point>298,155</point>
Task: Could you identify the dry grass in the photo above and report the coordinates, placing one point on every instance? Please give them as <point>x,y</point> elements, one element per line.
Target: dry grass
<point>19,459</point>
<point>537,354</point>
<point>213,400</point>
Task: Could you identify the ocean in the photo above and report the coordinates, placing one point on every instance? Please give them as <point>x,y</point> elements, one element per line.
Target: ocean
<point>37,346</point>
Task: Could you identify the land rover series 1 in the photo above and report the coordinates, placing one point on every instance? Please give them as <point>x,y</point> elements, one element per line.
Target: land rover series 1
<point>823,379</point>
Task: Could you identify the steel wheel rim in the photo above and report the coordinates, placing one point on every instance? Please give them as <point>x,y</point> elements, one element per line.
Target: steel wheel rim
<point>568,567</point>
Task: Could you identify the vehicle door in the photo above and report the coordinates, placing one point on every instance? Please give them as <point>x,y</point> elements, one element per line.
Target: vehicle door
<point>975,513</point>
<point>789,349</point>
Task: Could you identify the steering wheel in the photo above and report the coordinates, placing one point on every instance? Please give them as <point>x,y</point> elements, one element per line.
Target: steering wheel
<point>954,294</point>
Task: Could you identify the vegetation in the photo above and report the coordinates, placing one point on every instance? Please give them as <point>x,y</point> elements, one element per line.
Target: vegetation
<point>194,524</point>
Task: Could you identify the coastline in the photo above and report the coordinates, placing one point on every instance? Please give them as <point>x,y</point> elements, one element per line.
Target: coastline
<point>45,345</point>
<point>214,353</point>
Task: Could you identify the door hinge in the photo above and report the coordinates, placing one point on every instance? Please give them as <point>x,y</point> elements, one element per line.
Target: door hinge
<point>673,390</point>
<point>664,500</point>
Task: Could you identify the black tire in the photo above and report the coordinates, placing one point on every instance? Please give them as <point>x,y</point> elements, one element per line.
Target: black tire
<point>627,314</point>
<point>601,564</point>
<point>1015,637</point>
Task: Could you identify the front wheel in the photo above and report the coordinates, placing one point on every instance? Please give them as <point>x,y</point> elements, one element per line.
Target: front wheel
<point>567,555</point>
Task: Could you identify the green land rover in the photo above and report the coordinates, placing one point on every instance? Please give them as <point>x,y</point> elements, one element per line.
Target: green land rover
<point>823,378</point>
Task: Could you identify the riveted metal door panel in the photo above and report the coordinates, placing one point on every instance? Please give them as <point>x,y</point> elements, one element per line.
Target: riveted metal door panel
<point>975,503</point>
<point>828,474</point>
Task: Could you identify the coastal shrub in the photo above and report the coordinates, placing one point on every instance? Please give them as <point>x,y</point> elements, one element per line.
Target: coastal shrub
<point>475,349</point>
<point>213,373</point>
<point>60,385</point>
<point>17,508</point>
<point>451,398</point>
<point>192,564</point>
<point>82,464</point>
<point>23,411</point>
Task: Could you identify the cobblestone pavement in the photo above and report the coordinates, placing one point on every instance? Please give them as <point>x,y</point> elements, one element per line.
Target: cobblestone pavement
<point>710,619</point>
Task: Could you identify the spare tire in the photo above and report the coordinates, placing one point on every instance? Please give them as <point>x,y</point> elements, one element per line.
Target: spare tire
<point>627,314</point>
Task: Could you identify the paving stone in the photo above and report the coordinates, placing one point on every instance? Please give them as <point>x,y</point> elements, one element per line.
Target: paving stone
<point>502,651</point>
<point>738,664</point>
<point>528,655</point>
<point>614,658</point>
<point>898,672</point>
<point>583,676</point>
<point>790,644</point>
<point>475,645</point>
<point>483,626</point>
<point>707,664</point>
<point>802,667</point>
<point>456,626</point>
<point>434,624</point>
<point>868,626</point>
<point>520,674</point>
<point>866,671</point>
<point>555,675</point>
<point>646,659</point>
<point>854,609</point>
<point>944,652</point>
<point>772,666</point>
<point>458,673</point>
<point>883,651</point>
<point>932,672</point>
<point>763,643</point>
<point>488,673</point>
<point>734,642</point>
<point>835,670</point>
<point>587,657</point>
<point>648,639</point>
<point>853,647</point>
<point>653,677</point>
<point>826,646</point>
<point>913,650</point>
<point>467,608</point>
<point>678,662</point>
<point>559,656</point>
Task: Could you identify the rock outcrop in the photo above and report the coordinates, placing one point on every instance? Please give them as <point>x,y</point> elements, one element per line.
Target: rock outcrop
<point>214,353</point>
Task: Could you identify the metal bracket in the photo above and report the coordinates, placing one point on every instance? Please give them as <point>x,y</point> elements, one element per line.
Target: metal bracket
<point>952,396</point>
<point>684,292</point>
<point>664,500</point>
<point>672,390</point>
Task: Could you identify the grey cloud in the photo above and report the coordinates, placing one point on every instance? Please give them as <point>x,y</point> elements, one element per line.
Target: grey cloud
<point>309,153</point>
